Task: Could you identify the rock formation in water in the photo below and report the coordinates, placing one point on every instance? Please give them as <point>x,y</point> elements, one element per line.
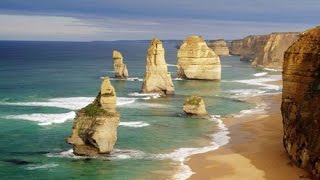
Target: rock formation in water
<point>120,69</point>
<point>94,129</point>
<point>197,61</point>
<point>195,107</point>
<point>264,50</point>
<point>219,47</point>
<point>301,101</point>
<point>157,79</point>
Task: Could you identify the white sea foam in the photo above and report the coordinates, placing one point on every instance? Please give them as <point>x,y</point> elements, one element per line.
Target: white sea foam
<point>259,109</point>
<point>43,166</point>
<point>218,139</point>
<point>262,81</point>
<point>260,74</point>
<point>273,70</point>
<point>128,79</point>
<point>135,124</point>
<point>145,95</point>
<point>177,79</point>
<point>72,103</point>
<point>172,65</point>
<point>116,154</point>
<point>45,119</point>
<point>246,93</point>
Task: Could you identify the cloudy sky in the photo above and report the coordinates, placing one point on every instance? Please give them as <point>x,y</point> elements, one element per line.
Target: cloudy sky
<point>88,20</point>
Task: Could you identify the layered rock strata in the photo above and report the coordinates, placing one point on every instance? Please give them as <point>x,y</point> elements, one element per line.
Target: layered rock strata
<point>219,47</point>
<point>120,69</point>
<point>264,50</point>
<point>94,129</point>
<point>194,106</point>
<point>197,61</point>
<point>157,79</point>
<point>300,101</point>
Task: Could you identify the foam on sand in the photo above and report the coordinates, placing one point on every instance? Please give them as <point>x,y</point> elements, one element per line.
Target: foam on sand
<point>45,119</point>
<point>262,81</point>
<point>218,139</point>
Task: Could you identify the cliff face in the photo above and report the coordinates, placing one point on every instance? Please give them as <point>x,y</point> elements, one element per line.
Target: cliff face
<point>94,129</point>
<point>300,101</point>
<point>197,61</point>
<point>157,79</point>
<point>264,50</point>
<point>120,69</point>
<point>219,47</point>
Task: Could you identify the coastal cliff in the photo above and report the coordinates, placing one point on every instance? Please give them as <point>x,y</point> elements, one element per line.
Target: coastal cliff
<point>300,101</point>
<point>264,50</point>
<point>157,79</point>
<point>219,47</point>
<point>120,69</point>
<point>197,61</point>
<point>94,129</point>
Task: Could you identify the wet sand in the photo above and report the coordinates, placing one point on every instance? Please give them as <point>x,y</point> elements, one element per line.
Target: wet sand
<point>255,150</point>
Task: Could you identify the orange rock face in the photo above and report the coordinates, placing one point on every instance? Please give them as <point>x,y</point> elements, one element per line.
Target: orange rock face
<point>301,101</point>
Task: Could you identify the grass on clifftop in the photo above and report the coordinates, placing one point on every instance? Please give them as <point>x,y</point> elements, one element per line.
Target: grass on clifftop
<point>93,109</point>
<point>193,100</point>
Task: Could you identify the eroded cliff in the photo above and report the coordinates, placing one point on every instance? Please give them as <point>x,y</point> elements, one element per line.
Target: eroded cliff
<point>301,101</point>
<point>264,50</point>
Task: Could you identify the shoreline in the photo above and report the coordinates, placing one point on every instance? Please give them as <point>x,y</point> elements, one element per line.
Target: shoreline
<point>254,151</point>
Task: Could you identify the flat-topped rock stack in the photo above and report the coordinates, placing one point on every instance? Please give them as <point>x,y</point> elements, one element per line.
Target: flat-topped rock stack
<point>219,46</point>
<point>157,79</point>
<point>197,61</point>
<point>194,106</point>
<point>120,69</point>
<point>94,130</point>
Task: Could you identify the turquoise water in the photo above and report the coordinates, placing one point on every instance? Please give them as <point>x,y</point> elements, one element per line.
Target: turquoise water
<point>43,84</point>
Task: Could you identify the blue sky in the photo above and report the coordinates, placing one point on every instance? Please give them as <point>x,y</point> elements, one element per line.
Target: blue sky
<point>87,20</point>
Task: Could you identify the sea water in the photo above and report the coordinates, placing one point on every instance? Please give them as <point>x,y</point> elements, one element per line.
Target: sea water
<point>43,84</point>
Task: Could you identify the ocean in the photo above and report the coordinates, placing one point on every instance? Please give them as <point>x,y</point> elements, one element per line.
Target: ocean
<point>43,84</point>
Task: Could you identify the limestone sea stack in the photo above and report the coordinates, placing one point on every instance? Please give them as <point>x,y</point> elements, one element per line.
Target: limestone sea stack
<point>94,129</point>
<point>157,79</point>
<point>120,69</point>
<point>219,47</point>
<point>301,101</point>
<point>264,50</point>
<point>195,107</point>
<point>197,61</point>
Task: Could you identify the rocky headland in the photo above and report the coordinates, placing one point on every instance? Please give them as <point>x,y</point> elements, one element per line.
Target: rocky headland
<point>120,69</point>
<point>194,106</point>
<point>94,129</point>
<point>264,50</point>
<point>157,78</point>
<point>219,46</point>
<point>197,61</point>
<point>300,101</point>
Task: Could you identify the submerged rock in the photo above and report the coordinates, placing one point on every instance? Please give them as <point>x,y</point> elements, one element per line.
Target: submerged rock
<point>219,47</point>
<point>195,107</point>
<point>300,101</point>
<point>197,61</point>
<point>157,79</point>
<point>120,69</point>
<point>94,129</point>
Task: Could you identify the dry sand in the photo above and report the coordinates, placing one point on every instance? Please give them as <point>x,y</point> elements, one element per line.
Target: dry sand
<point>255,150</point>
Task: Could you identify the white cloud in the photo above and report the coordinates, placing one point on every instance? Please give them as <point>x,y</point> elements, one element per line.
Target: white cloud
<point>45,27</point>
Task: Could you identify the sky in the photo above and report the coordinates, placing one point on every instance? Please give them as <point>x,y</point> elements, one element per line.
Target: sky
<point>106,20</point>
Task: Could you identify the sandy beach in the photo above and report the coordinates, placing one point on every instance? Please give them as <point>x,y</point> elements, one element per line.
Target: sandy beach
<point>255,150</point>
